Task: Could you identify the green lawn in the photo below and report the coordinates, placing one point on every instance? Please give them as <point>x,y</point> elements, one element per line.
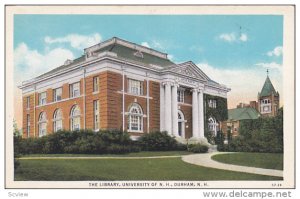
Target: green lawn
<point>137,154</point>
<point>121,169</point>
<point>260,160</point>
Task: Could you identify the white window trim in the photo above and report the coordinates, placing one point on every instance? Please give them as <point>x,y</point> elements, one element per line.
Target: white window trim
<point>55,120</point>
<point>98,80</point>
<point>96,112</point>
<point>55,95</point>
<point>28,102</point>
<point>40,98</point>
<point>72,117</point>
<point>130,86</point>
<point>28,124</point>
<point>40,123</point>
<point>180,90</point>
<point>72,91</point>
<point>140,115</point>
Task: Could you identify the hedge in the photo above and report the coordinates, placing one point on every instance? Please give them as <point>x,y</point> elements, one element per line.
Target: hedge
<point>101,142</point>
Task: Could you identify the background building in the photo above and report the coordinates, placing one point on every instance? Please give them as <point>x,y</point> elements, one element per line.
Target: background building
<point>268,99</point>
<point>117,84</point>
<point>267,105</point>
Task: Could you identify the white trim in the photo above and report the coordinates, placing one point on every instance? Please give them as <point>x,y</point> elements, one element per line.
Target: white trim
<point>184,104</point>
<point>63,100</point>
<point>148,108</point>
<point>183,121</point>
<point>142,96</point>
<point>123,98</point>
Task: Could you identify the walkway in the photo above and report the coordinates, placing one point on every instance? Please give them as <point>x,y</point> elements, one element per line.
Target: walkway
<point>205,160</point>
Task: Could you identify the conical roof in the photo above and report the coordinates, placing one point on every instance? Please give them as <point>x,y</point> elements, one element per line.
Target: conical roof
<point>267,89</point>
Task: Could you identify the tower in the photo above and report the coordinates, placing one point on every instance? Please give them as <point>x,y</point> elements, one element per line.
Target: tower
<point>268,99</point>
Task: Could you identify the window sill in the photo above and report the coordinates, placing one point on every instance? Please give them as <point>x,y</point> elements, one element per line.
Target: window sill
<point>133,131</point>
<point>95,92</point>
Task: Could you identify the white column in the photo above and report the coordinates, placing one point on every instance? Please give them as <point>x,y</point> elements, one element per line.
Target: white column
<point>174,111</point>
<point>201,114</point>
<point>195,113</point>
<point>168,108</point>
<point>162,107</point>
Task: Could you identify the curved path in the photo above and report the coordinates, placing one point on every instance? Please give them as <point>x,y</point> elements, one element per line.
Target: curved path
<point>205,160</point>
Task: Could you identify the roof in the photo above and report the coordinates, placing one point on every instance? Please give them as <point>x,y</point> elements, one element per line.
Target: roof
<point>129,54</point>
<point>122,52</point>
<point>245,113</point>
<point>62,67</point>
<point>267,89</point>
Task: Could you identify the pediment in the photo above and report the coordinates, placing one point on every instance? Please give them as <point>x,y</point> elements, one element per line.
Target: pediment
<point>191,70</point>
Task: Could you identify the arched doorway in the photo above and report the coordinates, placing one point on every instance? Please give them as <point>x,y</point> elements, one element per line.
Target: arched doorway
<point>181,124</point>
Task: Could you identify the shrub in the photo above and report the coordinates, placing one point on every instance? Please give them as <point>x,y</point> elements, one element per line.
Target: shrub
<point>197,148</point>
<point>81,141</point>
<point>157,141</point>
<point>181,147</point>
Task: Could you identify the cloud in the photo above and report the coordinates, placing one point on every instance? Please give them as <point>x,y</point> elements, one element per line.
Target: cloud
<point>157,45</point>
<point>233,37</point>
<point>271,65</point>
<point>29,63</point>
<point>244,83</point>
<point>277,51</point>
<point>243,37</point>
<point>145,44</point>
<point>228,37</point>
<point>171,57</point>
<point>75,40</point>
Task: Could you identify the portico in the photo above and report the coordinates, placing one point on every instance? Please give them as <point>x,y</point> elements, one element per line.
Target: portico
<point>170,110</point>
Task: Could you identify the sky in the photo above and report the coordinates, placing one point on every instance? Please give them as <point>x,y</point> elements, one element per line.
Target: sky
<point>235,50</point>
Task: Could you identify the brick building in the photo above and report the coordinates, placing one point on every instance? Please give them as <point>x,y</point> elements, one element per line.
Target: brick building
<point>268,99</point>
<point>117,84</point>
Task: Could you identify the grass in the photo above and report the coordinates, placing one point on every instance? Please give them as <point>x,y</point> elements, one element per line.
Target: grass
<point>137,154</point>
<point>260,160</point>
<point>120,169</point>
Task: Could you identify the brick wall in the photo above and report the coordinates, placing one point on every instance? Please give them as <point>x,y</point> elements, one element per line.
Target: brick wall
<point>110,104</point>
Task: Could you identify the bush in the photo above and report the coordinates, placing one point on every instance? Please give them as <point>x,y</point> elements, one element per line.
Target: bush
<point>197,148</point>
<point>157,141</point>
<point>82,141</point>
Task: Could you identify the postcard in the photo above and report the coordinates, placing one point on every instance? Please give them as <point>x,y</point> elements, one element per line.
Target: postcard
<point>189,97</point>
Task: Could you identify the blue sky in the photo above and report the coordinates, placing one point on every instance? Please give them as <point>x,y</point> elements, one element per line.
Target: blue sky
<point>234,50</point>
<point>186,37</point>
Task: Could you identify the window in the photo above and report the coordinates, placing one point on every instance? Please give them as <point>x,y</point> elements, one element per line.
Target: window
<point>265,101</point>
<point>75,90</point>
<point>28,102</point>
<point>95,84</point>
<point>96,115</point>
<point>75,118</point>
<point>135,118</point>
<point>42,124</point>
<point>181,124</point>
<point>57,94</point>
<point>57,120</point>
<point>180,96</point>
<point>212,103</point>
<point>42,98</point>
<point>212,125</point>
<point>135,87</point>
<point>28,125</point>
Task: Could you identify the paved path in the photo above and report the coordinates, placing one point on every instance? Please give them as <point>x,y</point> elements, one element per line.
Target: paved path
<point>205,160</point>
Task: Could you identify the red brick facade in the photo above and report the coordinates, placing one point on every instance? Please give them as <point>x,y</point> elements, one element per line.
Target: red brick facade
<point>110,98</point>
